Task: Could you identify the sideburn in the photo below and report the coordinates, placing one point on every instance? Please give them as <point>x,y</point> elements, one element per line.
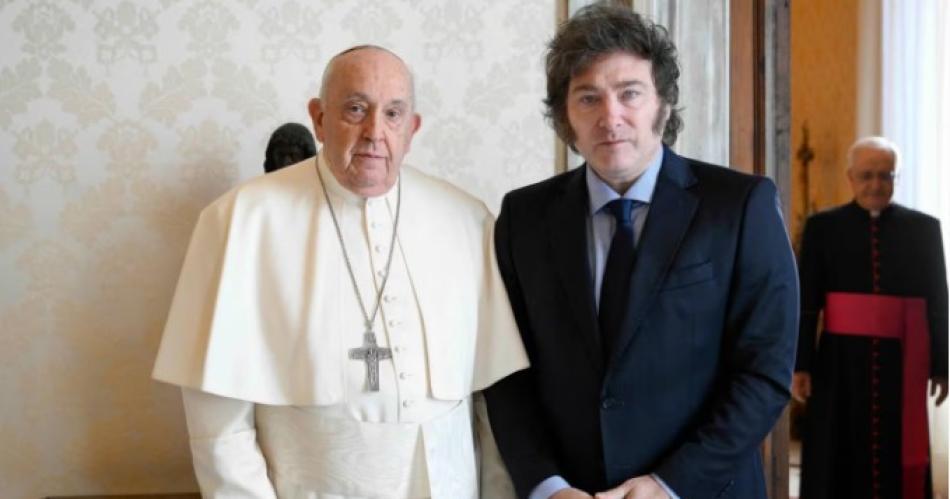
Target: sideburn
<point>659,123</point>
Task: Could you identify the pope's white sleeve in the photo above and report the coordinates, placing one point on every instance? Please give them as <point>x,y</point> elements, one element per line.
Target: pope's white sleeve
<point>228,461</point>
<point>494,481</point>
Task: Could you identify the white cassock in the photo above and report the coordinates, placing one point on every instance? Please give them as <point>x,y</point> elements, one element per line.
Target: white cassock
<point>264,317</point>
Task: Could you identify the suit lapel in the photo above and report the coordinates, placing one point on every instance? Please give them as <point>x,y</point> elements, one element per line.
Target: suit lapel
<point>671,211</point>
<point>567,230</point>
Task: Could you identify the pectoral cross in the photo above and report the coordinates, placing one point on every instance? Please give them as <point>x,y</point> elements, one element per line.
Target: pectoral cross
<point>371,355</point>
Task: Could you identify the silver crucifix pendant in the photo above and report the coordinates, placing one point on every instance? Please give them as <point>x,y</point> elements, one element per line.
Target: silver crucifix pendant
<point>371,355</point>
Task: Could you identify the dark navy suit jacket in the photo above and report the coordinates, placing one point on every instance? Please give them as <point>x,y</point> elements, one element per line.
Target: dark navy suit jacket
<point>702,367</point>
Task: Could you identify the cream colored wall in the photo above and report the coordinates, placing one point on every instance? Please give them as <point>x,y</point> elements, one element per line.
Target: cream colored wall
<point>119,120</point>
<point>824,48</point>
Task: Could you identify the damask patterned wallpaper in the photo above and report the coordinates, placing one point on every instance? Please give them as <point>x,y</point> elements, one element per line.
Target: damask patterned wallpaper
<point>119,120</point>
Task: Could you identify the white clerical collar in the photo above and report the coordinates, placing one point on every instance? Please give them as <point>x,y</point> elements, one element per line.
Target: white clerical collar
<point>335,188</point>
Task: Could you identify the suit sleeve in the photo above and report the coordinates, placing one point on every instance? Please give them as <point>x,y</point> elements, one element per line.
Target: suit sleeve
<point>758,354</point>
<point>812,294</point>
<point>228,462</point>
<point>514,408</point>
<point>937,304</point>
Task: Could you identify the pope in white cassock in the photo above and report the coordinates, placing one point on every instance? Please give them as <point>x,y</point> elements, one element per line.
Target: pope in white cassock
<point>333,319</point>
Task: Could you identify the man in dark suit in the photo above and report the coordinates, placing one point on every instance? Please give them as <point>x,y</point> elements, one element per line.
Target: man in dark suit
<point>656,295</point>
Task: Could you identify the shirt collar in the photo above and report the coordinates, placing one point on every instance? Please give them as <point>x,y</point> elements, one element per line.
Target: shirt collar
<point>600,193</point>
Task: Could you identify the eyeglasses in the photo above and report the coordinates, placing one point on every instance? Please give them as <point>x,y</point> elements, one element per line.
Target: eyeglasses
<point>887,176</point>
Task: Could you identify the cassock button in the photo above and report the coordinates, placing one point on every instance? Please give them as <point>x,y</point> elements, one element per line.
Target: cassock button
<point>394,322</point>
<point>407,403</point>
<point>403,375</point>
<point>381,273</point>
<point>378,248</point>
<point>389,298</point>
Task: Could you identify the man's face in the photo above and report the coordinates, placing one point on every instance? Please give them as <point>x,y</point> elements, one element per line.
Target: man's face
<point>613,110</point>
<point>872,178</point>
<point>366,120</point>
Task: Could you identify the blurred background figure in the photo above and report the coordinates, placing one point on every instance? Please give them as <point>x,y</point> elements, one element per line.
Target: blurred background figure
<point>290,143</point>
<point>875,270</point>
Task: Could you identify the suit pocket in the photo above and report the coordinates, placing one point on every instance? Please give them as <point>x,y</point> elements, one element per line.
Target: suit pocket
<point>688,275</point>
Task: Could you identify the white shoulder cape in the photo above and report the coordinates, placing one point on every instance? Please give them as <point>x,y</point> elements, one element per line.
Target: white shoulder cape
<point>253,319</point>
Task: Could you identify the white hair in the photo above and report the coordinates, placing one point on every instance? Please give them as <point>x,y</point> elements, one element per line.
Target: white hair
<point>875,143</point>
<point>328,70</point>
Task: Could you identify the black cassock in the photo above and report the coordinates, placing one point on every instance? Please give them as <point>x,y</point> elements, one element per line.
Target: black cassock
<point>852,433</point>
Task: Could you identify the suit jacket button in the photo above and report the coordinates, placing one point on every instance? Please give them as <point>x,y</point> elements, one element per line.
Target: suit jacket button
<point>609,403</point>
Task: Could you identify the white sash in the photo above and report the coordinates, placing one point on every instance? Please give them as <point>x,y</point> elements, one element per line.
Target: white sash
<point>308,450</point>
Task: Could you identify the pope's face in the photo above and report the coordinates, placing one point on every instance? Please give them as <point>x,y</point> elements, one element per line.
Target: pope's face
<point>366,120</point>
<point>872,178</point>
<point>614,111</point>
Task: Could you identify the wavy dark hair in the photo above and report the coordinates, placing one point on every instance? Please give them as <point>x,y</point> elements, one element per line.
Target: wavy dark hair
<point>601,29</point>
